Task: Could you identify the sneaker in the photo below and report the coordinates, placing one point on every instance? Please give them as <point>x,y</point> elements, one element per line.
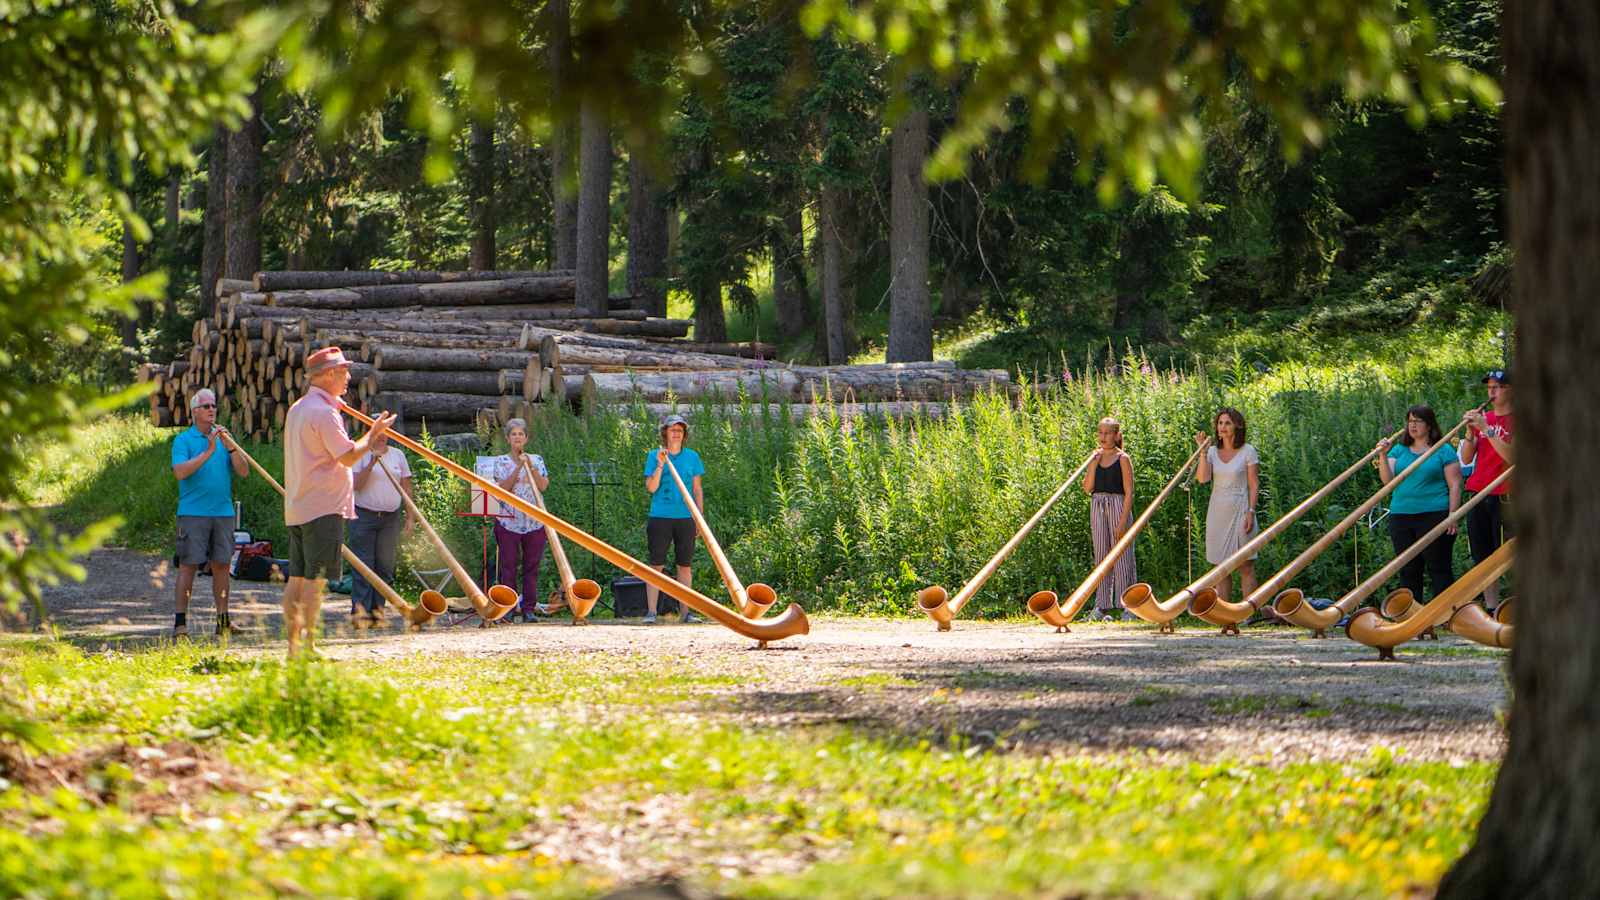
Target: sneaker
<point>689,618</point>
<point>180,631</point>
<point>649,618</point>
<point>377,617</point>
<point>543,609</point>
<point>1128,616</point>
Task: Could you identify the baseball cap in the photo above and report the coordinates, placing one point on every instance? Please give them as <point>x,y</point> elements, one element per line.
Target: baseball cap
<point>1501,375</point>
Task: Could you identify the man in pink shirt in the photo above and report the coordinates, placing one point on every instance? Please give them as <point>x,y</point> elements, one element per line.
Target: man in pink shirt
<point>319,493</point>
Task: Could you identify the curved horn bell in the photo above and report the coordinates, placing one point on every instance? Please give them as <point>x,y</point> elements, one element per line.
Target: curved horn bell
<point>792,622</point>
<point>1043,603</point>
<point>1291,603</point>
<point>417,616</point>
<point>1202,597</point>
<point>1369,627</point>
<point>581,593</point>
<point>753,603</point>
<point>937,602</point>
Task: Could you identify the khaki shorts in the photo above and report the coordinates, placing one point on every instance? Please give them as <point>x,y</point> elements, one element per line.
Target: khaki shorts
<point>314,547</point>
<point>205,539</point>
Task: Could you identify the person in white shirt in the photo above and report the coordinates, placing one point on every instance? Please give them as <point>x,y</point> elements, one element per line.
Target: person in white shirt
<point>374,534</point>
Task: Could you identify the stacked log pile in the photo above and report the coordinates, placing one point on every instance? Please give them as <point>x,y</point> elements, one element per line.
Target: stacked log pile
<point>458,351</point>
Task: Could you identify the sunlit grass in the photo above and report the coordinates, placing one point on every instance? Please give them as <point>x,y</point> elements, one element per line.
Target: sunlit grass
<point>446,767</point>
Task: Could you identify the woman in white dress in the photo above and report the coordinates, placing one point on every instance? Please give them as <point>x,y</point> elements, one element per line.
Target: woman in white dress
<point>1234,470</point>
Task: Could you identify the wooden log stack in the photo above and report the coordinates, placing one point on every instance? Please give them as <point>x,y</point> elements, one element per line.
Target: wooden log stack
<point>464,351</point>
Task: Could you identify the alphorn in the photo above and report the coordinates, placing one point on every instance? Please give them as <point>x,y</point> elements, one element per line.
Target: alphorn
<point>754,602</point>
<point>1292,606</point>
<point>791,622</point>
<point>490,607</point>
<point>431,599</point>
<point>1043,604</point>
<point>937,602</point>
<point>1369,627</point>
<point>1141,597</point>
<point>1218,611</point>
<point>418,615</point>
<point>581,593</point>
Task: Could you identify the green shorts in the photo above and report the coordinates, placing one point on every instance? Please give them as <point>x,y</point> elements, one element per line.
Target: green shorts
<point>314,547</point>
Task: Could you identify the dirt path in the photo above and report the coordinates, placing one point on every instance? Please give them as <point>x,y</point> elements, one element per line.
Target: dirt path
<point>1271,694</point>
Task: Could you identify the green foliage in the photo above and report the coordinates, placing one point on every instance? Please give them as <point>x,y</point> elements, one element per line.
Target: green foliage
<point>1150,68</point>
<point>89,91</point>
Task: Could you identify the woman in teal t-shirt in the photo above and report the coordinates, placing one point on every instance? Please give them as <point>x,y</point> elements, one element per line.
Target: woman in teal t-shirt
<point>670,523</point>
<point>1423,500</point>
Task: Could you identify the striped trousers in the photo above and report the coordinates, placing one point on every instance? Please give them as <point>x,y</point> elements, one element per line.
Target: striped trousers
<point>1105,513</point>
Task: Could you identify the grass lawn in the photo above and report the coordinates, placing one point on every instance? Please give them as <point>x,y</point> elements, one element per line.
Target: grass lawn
<point>193,772</point>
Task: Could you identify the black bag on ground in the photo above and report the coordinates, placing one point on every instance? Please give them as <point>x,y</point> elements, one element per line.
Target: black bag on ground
<point>627,594</point>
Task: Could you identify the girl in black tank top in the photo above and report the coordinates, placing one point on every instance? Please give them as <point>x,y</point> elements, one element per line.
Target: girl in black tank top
<point>1109,482</point>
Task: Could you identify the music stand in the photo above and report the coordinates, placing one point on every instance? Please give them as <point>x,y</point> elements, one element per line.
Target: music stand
<point>478,507</point>
<point>595,474</point>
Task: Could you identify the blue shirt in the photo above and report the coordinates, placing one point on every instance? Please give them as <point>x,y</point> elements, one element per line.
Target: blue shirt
<point>208,491</point>
<point>1424,490</point>
<point>668,502</point>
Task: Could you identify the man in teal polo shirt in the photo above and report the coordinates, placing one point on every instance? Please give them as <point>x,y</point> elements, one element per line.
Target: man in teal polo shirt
<point>205,470</point>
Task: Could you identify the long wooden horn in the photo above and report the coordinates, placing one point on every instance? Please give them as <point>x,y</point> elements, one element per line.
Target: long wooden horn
<point>418,615</point>
<point>432,603</point>
<point>1290,604</point>
<point>1174,605</point>
<point>1043,604</point>
<point>581,593</point>
<point>754,602</point>
<point>1295,609</point>
<point>792,622</point>
<point>1223,612</point>
<point>937,602</point>
<point>500,598</point>
<point>1371,628</point>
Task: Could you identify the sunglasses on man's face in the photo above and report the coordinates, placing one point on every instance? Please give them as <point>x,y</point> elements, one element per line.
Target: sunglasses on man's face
<point>206,406</point>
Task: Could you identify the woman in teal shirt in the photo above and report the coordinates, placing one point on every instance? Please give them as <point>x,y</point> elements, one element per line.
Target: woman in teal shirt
<point>1423,500</point>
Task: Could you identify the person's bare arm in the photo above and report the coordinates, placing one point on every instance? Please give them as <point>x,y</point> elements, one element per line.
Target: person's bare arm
<point>1452,477</point>
<point>699,496</point>
<point>1127,494</point>
<point>1202,470</point>
<point>405,485</point>
<point>1088,473</point>
<point>363,474</point>
<point>1253,473</point>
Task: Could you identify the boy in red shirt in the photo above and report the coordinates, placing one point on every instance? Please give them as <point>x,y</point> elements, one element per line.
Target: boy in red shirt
<point>1487,448</point>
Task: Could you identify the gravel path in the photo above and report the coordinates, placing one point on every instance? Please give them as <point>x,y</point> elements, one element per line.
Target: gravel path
<point>1272,694</point>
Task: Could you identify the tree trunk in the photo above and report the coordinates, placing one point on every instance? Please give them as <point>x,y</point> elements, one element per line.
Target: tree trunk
<point>837,308</point>
<point>957,298</point>
<point>389,356</point>
<point>244,196</point>
<point>710,319</point>
<point>910,306</point>
<point>481,255</point>
<point>661,358</point>
<point>130,271</point>
<point>647,236</point>
<point>656,387</point>
<point>563,138</point>
<point>304,280</point>
<point>594,207</point>
<point>450,293</point>
<point>789,293</point>
<point>435,405</point>
<point>213,242</point>
<point>1536,838</point>
<point>169,307</point>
